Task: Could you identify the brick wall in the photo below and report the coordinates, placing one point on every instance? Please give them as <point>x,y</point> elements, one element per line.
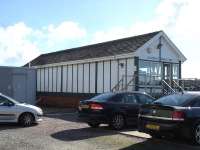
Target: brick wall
<point>61,100</point>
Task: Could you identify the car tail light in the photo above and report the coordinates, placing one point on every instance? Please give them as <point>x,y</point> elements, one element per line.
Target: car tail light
<point>96,107</point>
<point>178,115</point>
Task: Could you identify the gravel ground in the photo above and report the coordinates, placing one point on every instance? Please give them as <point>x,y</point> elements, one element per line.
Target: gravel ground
<point>63,132</point>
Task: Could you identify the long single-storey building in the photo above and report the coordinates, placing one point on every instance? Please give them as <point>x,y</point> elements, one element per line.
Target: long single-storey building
<point>133,63</point>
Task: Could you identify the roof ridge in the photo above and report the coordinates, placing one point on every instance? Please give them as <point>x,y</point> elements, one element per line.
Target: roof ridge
<point>100,43</point>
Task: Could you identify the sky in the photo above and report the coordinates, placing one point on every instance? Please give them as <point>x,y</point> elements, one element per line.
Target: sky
<point>33,27</point>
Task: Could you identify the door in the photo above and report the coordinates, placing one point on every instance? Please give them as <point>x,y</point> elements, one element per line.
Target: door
<point>167,74</point>
<point>7,112</point>
<point>132,108</point>
<point>19,87</point>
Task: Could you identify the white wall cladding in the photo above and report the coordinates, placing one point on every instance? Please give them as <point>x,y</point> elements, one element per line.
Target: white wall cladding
<point>80,78</point>
<point>92,77</point>
<point>83,77</point>
<point>46,78</point>
<point>54,79</point>
<point>106,76</point>
<point>86,78</point>
<point>74,83</point>
<point>69,84</point>
<point>50,79</point>
<point>64,81</point>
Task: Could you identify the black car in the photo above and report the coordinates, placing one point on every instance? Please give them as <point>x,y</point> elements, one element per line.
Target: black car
<point>177,115</point>
<point>116,109</point>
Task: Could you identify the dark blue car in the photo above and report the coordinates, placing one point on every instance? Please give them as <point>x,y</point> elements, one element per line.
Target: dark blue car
<point>116,109</point>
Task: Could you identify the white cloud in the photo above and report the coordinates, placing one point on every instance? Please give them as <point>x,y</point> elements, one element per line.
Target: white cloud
<point>20,43</point>
<point>179,19</point>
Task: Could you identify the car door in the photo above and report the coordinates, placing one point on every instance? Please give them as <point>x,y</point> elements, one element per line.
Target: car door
<point>6,110</point>
<point>132,108</point>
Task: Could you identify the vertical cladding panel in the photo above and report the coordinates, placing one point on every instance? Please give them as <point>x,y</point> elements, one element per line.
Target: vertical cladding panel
<point>122,68</point>
<point>75,67</point>
<point>54,79</point>
<point>59,79</point>
<point>64,81</point>
<point>106,76</point>
<point>80,78</point>
<point>69,79</point>
<point>114,72</point>
<point>86,78</point>
<point>46,88</point>
<point>100,77</point>
<point>130,66</point>
<point>92,78</point>
<point>42,80</point>
<point>38,80</point>
<point>50,80</point>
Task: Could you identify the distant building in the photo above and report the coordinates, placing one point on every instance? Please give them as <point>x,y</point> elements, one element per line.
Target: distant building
<point>144,60</point>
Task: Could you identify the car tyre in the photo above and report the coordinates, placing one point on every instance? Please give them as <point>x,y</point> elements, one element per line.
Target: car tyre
<point>26,119</point>
<point>156,135</point>
<point>117,122</point>
<point>196,134</point>
<point>93,124</point>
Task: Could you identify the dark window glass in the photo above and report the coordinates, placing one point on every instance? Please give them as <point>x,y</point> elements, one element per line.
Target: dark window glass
<point>196,102</point>
<point>130,99</point>
<point>103,97</point>
<point>119,98</point>
<point>144,99</point>
<point>3,100</point>
<point>175,100</point>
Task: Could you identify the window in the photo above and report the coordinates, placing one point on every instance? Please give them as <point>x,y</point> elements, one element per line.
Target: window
<point>119,98</point>
<point>149,72</point>
<point>196,102</point>
<point>3,100</point>
<point>130,99</point>
<point>103,97</point>
<point>175,71</point>
<point>144,99</point>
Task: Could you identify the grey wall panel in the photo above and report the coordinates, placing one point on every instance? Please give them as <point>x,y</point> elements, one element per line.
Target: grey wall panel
<point>19,83</point>
<point>92,78</point>
<point>38,80</point>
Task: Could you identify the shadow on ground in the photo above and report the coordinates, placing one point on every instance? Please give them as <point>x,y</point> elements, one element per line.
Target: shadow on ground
<point>83,133</point>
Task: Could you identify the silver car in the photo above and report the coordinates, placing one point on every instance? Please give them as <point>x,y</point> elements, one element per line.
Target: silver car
<point>13,111</point>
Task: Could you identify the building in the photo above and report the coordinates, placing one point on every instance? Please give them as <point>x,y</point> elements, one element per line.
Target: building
<point>19,83</point>
<point>142,60</point>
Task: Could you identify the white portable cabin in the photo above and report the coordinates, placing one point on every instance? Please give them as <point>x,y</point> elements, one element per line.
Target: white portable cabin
<point>99,68</point>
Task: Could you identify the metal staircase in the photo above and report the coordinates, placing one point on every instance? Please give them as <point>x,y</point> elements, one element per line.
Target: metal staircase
<point>167,87</point>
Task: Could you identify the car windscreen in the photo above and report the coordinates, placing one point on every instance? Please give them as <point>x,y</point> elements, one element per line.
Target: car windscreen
<point>174,100</point>
<point>103,97</point>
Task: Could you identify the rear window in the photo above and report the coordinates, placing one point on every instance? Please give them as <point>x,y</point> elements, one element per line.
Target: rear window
<point>103,97</point>
<point>175,100</point>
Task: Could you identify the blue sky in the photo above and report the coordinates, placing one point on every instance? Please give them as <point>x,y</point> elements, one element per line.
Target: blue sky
<point>31,27</point>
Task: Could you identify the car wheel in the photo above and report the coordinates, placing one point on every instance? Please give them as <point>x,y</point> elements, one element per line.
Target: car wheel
<point>156,135</point>
<point>93,124</point>
<point>196,134</point>
<point>26,119</point>
<point>117,122</point>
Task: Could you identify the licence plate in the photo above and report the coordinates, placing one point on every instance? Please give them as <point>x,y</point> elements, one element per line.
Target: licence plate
<point>152,127</point>
<point>83,107</point>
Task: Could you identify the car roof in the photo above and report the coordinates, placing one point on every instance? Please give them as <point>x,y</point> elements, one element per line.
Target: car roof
<point>135,92</point>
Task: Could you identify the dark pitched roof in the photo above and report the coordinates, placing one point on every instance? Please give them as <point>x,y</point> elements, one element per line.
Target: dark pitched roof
<point>115,47</point>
